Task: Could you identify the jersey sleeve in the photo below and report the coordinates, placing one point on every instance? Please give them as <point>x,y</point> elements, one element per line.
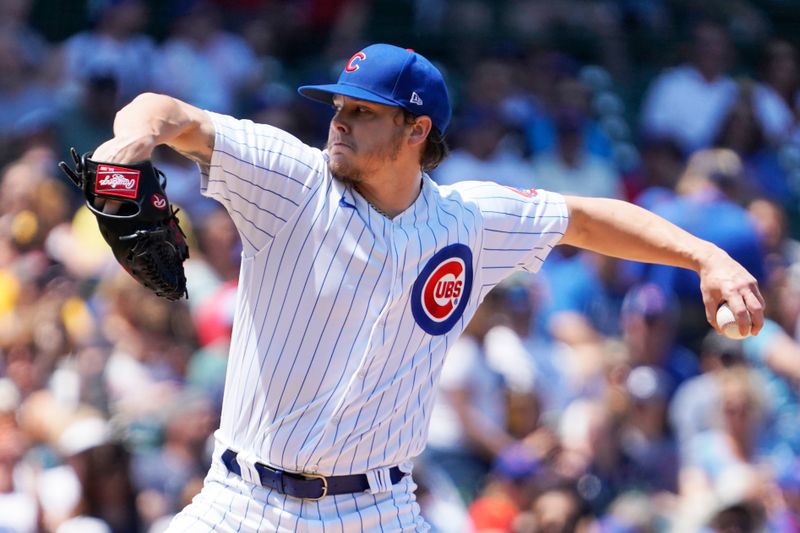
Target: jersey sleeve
<point>519,227</point>
<point>261,174</point>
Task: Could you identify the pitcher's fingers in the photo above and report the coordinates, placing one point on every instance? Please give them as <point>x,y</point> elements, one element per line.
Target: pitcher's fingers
<point>755,306</point>
<point>736,303</point>
<point>712,303</point>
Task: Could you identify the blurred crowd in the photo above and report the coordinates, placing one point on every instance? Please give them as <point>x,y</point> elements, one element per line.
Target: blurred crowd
<point>590,397</point>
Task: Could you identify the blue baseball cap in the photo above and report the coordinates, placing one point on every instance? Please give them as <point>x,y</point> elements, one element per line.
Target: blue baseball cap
<point>394,76</point>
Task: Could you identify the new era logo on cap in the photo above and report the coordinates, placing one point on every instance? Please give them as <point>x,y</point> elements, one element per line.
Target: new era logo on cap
<point>390,75</point>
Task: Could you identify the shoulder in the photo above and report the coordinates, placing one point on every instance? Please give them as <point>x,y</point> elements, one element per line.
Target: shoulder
<point>460,191</point>
<point>478,193</point>
<point>253,147</point>
<point>80,42</point>
<point>676,80</point>
<point>507,210</point>
<point>456,197</point>
<point>255,134</point>
<point>680,73</point>
<point>142,41</point>
<point>670,75</point>
<point>226,41</point>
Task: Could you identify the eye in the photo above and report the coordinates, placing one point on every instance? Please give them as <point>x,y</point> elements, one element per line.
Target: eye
<point>363,109</point>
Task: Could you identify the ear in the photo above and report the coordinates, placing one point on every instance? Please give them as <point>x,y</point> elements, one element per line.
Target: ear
<point>420,130</point>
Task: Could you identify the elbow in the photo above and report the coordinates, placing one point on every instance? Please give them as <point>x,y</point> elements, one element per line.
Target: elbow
<point>148,98</point>
<point>577,229</point>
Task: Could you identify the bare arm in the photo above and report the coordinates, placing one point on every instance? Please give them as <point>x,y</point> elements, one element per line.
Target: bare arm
<point>153,119</point>
<point>783,357</point>
<point>483,433</point>
<point>624,230</point>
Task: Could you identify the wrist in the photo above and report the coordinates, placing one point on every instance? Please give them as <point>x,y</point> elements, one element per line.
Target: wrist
<point>705,255</point>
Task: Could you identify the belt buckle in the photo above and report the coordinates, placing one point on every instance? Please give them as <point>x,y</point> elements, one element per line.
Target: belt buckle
<point>324,486</point>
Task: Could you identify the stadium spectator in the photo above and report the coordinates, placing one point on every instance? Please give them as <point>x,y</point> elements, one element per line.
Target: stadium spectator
<point>468,428</point>
<point>88,119</point>
<point>775,358</point>
<point>182,186</point>
<point>582,295</point>
<point>570,99</point>
<point>688,102</point>
<point>781,250</point>
<point>741,131</point>
<point>101,464</point>
<point>693,408</point>
<point>116,44</point>
<point>203,64</point>
<point>655,179</point>
<point>162,472</point>
<point>645,433</point>
<point>568,165</point>
<point>535,368</point>
<point>21,93</point>
<point>18,505</point>
<point>15,22</point>
<point>649,329</point>
<point>725,465</point>
<point>479,153</point>
<point>558,508</point>
<point>775,97</point>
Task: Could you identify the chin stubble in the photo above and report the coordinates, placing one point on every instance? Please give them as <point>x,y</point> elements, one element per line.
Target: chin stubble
<point>350,175</point>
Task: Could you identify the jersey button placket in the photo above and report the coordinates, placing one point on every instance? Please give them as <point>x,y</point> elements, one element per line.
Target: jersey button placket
<point>399,244</point>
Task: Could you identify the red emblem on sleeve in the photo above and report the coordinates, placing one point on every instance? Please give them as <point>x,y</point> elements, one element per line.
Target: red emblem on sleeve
<point>527,193</point>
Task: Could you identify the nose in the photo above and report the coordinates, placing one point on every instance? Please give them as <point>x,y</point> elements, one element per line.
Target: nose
<point>339,124</point>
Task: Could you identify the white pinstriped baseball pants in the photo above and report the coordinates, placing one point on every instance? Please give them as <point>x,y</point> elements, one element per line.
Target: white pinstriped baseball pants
<point>229,504</point>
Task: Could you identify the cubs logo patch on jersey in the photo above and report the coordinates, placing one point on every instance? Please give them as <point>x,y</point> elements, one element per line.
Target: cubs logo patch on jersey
<point>441,291</point>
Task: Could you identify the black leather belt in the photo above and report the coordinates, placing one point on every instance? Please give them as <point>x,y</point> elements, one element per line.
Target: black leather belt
<point>307,486</point>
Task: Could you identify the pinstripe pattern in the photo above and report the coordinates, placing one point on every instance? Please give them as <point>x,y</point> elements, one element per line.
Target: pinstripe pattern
<point>329,369</point>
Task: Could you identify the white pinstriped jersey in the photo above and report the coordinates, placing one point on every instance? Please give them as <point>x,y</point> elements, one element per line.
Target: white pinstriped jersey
<point>343,316</point>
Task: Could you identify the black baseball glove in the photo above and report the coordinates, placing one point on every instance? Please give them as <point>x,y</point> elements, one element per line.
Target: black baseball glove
<point>142,229</point>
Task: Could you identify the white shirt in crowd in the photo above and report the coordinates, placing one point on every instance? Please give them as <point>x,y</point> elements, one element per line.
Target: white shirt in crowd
<point>683,105</point>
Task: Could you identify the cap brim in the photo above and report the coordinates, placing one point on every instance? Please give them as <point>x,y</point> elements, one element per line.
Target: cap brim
<point>325,93</point>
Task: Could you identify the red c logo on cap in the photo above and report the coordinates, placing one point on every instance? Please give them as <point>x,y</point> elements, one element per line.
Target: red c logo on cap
<point>351,64</point>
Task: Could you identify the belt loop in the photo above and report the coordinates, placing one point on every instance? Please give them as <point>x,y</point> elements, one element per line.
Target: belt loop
<point>247,464</point>
<point>379,480</point>
<point>281,480</point>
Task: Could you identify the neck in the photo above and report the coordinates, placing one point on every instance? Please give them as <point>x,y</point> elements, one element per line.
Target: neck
<point>392,195</point>
<point>741,445</point>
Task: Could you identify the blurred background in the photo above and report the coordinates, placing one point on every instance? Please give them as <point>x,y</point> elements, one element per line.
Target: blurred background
<point>592,397</point>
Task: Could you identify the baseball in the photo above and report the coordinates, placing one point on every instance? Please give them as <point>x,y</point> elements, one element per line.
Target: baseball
<point>727,323</point>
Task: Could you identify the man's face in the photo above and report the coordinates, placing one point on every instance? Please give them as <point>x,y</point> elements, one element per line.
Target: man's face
<point>363,137</point>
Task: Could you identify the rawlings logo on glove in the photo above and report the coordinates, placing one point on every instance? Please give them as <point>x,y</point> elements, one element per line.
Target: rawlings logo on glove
<point>117,181</point>
<point>143,233</point>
